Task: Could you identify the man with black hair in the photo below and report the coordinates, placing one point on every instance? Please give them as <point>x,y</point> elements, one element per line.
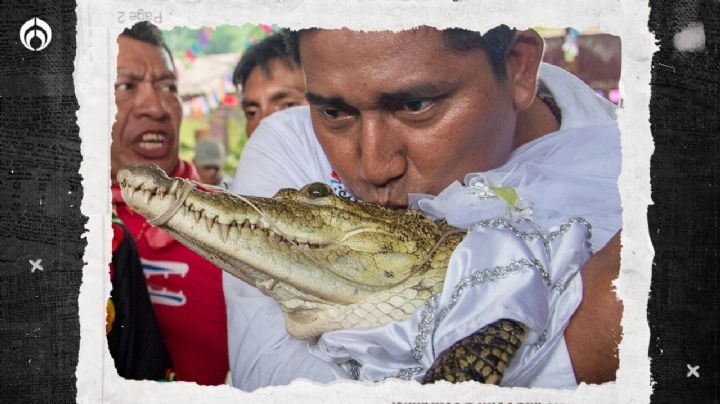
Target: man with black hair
<point>446,121</point>
<point>185,288</point>
<point>268,80</point>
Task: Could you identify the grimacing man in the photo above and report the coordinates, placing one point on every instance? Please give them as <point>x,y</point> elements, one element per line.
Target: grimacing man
<point>185,288</point>
<point>419,117</point>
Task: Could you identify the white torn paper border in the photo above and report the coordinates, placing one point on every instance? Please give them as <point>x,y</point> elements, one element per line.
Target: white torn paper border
<point>99,23</point>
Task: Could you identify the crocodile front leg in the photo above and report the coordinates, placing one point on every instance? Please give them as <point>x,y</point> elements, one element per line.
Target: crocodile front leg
<point>482,356</point>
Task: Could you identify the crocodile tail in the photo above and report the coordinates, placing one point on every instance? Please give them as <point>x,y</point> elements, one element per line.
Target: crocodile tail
<point>482,356</point>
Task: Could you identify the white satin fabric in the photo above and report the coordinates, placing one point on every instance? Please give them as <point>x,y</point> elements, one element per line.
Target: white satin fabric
<point>520,293</point>
<point>569,173</point>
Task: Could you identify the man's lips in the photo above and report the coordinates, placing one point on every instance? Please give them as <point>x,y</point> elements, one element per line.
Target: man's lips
<point>393,196</point>
<point>152,144</point>
<point>389,201</point>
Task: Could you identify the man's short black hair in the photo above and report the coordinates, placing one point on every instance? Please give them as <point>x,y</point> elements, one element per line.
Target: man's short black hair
<point>261,54</point>
<point>495,43</point>
<point>145,31</point>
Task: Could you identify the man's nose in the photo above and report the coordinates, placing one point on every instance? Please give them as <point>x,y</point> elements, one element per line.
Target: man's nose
<point>148,102</point>
<point>381,153</point>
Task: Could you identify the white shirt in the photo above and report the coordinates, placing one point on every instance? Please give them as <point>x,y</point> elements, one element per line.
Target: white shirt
<point>569,173</point>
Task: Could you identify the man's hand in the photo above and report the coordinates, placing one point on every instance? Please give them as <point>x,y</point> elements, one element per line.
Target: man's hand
<point>594,331</point>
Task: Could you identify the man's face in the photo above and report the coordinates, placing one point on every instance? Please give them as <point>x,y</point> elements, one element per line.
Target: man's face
<point>148,108</point>
<point>400,113</point>
<point>209,174</point>
<point>262,94</point>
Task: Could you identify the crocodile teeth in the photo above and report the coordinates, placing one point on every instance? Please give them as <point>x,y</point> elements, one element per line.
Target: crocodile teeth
<point>252,226</point>
<point>198,215</point>
<point>146,195</point>
<point>173,188</point>
<point>224,231</point>
<point>131,192</point>
<point>209,222</point>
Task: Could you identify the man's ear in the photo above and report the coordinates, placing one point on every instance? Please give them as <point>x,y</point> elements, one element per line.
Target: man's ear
<point>523,62</point>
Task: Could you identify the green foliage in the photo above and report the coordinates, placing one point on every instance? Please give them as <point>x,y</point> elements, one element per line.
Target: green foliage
<point>188,127</point>
<point>223,39</point>
<point>178,39</point>
<point>236,139</point>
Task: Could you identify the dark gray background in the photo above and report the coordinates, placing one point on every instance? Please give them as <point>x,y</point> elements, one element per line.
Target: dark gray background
<point>684,222</point>
<point>40,196</point>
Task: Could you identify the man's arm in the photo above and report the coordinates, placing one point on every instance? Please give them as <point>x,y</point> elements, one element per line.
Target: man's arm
<point>594,331</point>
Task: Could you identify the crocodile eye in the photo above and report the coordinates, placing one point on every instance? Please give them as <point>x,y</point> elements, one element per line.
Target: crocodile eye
<point>318,190</point>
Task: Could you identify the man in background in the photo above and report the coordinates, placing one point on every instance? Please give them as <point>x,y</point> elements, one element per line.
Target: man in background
<point>268,80</point>
<point>209,161</point>
<point>185,289</point>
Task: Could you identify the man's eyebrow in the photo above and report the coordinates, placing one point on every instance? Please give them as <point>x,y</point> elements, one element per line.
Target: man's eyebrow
<point>420,91</point>
<point>167,76</point>
<point>132,74</point>
<point>129,73</point>
<point>279,95</point>
<point>315,99</point>
<point>249,103</point>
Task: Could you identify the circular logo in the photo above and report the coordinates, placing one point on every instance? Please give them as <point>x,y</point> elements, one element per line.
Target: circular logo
<point>35,34</point>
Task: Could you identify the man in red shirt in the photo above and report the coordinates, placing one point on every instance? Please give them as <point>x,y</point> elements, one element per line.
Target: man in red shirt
<point>185,289</point>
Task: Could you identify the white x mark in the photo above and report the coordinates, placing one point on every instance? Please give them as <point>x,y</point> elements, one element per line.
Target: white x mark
<point>693,371</point>
<point>36,265</point>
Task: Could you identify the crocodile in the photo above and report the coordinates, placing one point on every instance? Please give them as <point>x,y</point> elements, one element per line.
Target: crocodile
<point>330,263</point>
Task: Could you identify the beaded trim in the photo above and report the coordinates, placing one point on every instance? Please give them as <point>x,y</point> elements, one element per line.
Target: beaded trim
<point>545,238</point>
<point>541,340</point>
<point>426,317</point>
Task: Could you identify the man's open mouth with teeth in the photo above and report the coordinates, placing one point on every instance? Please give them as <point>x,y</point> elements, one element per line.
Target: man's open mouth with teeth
<point>152,140</point>
<point>152,144</point>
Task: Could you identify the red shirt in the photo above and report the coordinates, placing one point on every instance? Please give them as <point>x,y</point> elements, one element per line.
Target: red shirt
<point>187,296</point>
